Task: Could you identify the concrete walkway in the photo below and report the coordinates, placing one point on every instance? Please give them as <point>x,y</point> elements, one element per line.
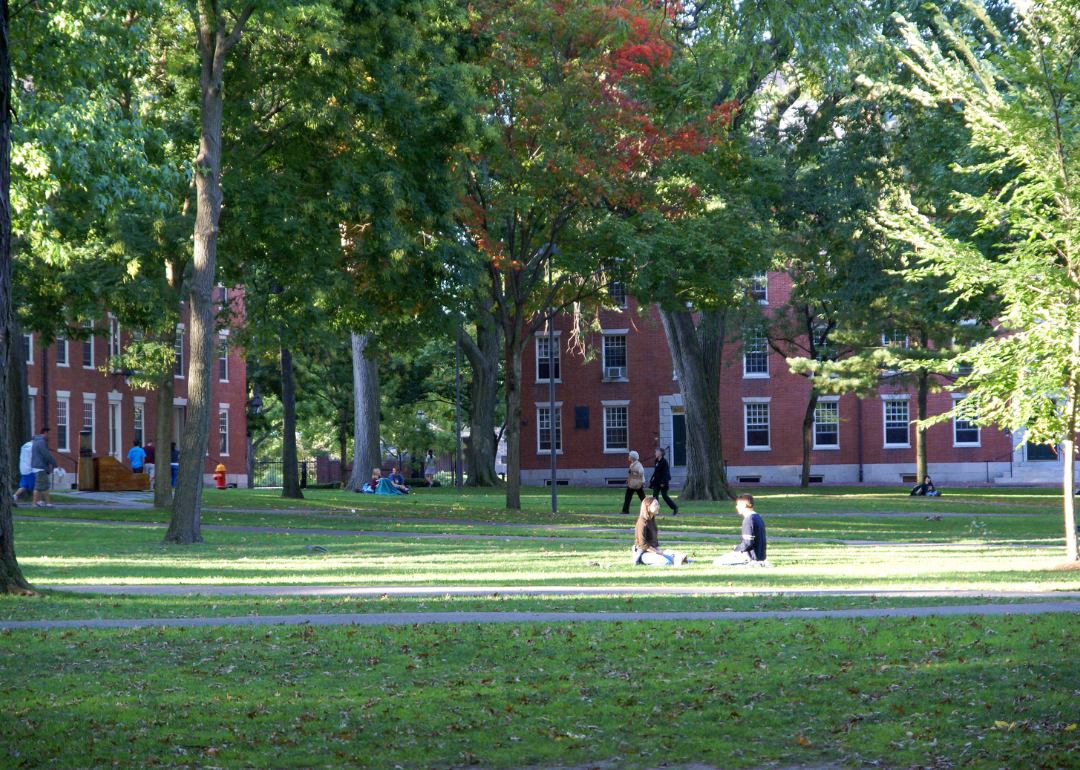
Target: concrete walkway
<point>413,618</point>
<point>671,537</point>
<point>195,589</point>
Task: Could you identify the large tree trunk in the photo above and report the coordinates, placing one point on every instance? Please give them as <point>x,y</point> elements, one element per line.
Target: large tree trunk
<point>11,577</point>
<point>513,419</point>
<point>290,474</point>
<point>920,427</point>
<point>1068,485</point>
<point>367,449</point>
<point>697,352</point>
<point>808,438</point>
<point>483,355</point>
<point>214,44</point>
<point>163,496</point>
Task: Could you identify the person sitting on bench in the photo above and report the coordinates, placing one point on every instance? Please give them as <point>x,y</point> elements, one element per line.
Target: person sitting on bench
<point>752,547</point>
<point>646,548</point>
<point>926,489</point>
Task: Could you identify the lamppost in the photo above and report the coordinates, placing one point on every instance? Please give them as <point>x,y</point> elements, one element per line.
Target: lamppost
<point>551,388</point>
<point>419,428</point>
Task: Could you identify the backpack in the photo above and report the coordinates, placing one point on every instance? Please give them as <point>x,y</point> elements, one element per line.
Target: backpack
<point>25,454</point>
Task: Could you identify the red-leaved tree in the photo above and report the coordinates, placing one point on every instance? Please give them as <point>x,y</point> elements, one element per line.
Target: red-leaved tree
<point>582,126</point>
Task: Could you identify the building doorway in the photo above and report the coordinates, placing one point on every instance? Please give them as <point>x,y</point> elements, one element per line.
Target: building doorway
<point>116,448</point>
<point>179,420</point>
<point>1041,452</point>
<point>678,437</point>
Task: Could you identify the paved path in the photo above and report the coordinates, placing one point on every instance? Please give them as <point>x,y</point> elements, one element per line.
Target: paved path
<point>412,618</point>
<point>189,589</point>
<point>671,537</point>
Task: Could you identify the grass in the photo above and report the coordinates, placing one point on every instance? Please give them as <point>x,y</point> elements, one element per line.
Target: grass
<point>85,553</point>
<point>935,692</point>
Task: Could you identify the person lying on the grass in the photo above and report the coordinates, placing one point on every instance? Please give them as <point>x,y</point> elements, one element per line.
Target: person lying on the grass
<point>753,544</point>
<point>646,548</point>
<point>925,489</point>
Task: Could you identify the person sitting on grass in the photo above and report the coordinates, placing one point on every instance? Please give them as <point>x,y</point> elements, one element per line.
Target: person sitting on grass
<point>751,549</point>
<point>926,489</point>
<point>646,548</point>
<point>371,486</point>
<point>398,481</point>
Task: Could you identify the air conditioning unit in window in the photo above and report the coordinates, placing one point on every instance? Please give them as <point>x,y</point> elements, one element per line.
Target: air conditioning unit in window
<point>615,372</point>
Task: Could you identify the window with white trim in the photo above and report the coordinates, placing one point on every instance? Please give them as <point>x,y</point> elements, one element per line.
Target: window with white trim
<point>28,348</point>
<point>61,351</point>
<point>757,425</point>
<point>617,292</point>
<point>137,423</point>
<point>827,424</point>
<point>543,360</point>
<point>543,429</point>
<point>223,432</point>
<point>63,407</point>
<point>755,353</point>
<point>896,423</point>
<point>894,338</point>
<point>759,289</point>
<point>178,346</point>
<point>615,357</point>
<point>616,428</point>
<point>223,359</point>
<point>88,347</point>
<point>33,416</point>
<point>965,429</point>
<point>114,337</point>
<point>88,421</point>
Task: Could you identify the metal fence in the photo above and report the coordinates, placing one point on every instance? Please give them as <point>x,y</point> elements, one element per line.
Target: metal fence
<point>268,473</point>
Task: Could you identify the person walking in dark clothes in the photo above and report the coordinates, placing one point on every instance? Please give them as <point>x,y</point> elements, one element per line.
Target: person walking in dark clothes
<point>635,480</point>
<point>661,479</point>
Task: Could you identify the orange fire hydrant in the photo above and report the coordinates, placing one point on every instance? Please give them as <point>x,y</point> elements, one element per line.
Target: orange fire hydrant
<point>219,476</point>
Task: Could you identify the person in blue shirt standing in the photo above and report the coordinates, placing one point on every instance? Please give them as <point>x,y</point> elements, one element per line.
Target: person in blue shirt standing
<point>137,455</point>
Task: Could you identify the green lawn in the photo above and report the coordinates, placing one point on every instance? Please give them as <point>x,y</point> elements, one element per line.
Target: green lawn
<point>941,692</point>
<point>935,692</point>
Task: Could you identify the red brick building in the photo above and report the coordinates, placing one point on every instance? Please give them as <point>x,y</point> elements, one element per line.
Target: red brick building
<point>69,393</point>
<point>628,398</point>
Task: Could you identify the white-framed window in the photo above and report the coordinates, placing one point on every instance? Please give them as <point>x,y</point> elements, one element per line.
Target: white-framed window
<point>114,336</point>
<point>544,429</point>
<point>137,420</point>
<point>616,427</point>
<point>894,338</point>
<point>63,409</point>
<point>223,359</point>
<point>88,422</point>
<point>759,289</point>
<point>28,348</point>
<point>223,433</point>
<point>542,360</point>
<point>897,417</point>
<point>224,294</point>
<point>965,429</point>
<point>756,425</point>
<point>755,353</point>
<point>827,425</point>
<point>61,351</point>
<point>617,292</point>
<point>88,347</point>
<point>615,355</point>
<point>33,413</point>
<point>178,346</point>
